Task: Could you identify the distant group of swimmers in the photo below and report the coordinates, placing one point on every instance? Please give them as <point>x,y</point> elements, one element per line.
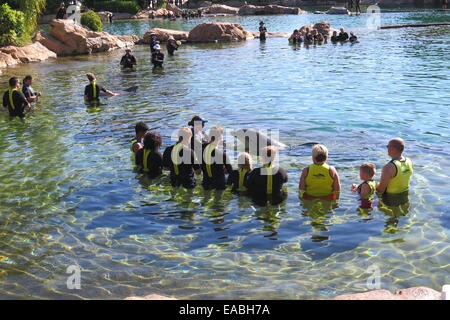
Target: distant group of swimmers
<point>307,36</point>
<point>197,152</point>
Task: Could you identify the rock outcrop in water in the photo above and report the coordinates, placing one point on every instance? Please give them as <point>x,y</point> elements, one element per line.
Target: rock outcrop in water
<point>163,34</point>
<point>219,32</point>
<point>337,10</point>
<point>415,293</point>
<point>68,38</point>
<point>34,52</point>
<point>220,9</point>
<point>270,9</point>
<point>321,27</point>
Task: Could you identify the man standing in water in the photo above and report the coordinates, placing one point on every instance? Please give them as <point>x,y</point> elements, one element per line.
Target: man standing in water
<point>357,7</point>
<point>92,90</point>
<point>14,99</point>
<point>128,60</point>
<point>28,91</point>
<point>262,31</point>
<point>397,173</point>
<point>153,42</point>
<point>157,57</point>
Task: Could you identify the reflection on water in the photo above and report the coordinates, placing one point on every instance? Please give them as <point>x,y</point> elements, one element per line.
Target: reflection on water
<point>69,195</point>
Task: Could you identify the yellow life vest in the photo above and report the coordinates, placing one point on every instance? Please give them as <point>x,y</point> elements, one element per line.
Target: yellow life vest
<point>11,100</point>
<point>372,186</point>
<point>269,174</point>
<point>94,90</point>
<point>145,159</point>
<point>175,157</point>
<point>242,172</point>
<point>400,183</point>
<point>208,158</point>
<point>319,182</point>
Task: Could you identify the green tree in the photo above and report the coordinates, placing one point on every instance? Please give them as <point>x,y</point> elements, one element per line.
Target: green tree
<point>91,20</point>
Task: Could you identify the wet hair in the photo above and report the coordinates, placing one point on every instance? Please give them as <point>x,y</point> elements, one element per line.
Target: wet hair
<point>268,153</point>
<point>90,76</point>
<point>215,132</point>
<point>320,153</point>
<point>184,133</point>
<point>152,141</point>
<point>140,127</point>
<point>195,118</point>
<point>13,82</point>
<point>368,168</point>
<point>27,78</point>
<point>245,161</point>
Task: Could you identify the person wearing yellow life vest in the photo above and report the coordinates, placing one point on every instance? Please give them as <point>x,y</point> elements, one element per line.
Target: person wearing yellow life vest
<point>215,162</point>
<point>265,184</point>
<point>180,160</point>
<point>319,180</point>
<point>367,188</point>
<point>137,143</point>
<point>15,100</point>
<point>396,175</point>
<point>92,90</point>
<point>237,178</point>
<point>149,159</point>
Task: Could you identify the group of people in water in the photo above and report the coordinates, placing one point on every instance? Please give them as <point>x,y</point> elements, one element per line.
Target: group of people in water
<point>307,36</point>
<point>199,153</point>
<point>17,99</point>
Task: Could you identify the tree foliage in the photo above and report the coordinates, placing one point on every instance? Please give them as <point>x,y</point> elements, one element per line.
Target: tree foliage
<point>91,20</point>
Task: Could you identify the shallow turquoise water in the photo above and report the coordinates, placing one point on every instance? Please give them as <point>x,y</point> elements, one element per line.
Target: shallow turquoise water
<point>69,194</point>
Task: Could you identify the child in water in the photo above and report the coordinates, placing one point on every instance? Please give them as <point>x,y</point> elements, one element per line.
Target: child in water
<point>149,159</point>
<point>366,189</point>
<point>238,177</point>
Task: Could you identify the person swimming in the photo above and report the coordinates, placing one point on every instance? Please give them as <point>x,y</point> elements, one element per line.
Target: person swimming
<point>92,90</point>
<point>237,178</point>
<point>14,100</point>
<point>319,180</point>
<point>148,158</point>
<point>367,188</point>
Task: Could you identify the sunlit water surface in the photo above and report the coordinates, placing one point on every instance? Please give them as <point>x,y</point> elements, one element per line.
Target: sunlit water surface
<point>69,195</point>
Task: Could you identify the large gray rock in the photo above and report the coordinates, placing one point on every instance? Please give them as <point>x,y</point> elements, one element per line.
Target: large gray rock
<point>220,8</point>
<point>219,32</point>
<point>337,10</point>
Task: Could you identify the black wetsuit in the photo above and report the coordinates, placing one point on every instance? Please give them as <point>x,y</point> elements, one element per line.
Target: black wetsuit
<point>353,38</point>
<point>152,44</point>
<point>262,33</point>
<point>343,36</point>
<point>185,174</point>
<point>256,184</point>
<point>308,38</point>
<point>60,14</point>
<point>171,47</point>
<point>28,91</point>
<point>157,56</point>
<point>88,91</point>
<point>215,177</point>
<point>334,38</point>
<point>233,179</point>
<point>357,8</point>
<point>154,163</point>
<point>19,103</point>
<point>128,61</point>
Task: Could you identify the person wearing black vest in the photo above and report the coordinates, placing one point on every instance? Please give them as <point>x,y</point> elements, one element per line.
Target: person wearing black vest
<point>28,91</point>
<point>149,159</point>
<point>92,90</point>
<point>15,100</point>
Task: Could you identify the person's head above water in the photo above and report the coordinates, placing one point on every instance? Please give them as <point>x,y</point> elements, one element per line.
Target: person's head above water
<point>128,51</point>
<point>28,80</point>
<point>334,33</point>
<point>90,76</point>
<point>197,122</point>
<point>14,82</point>
<point>268,154</point>
<point>342,30</point>
<point>319,154</point>
<point>261,23</point>
<point>184,135</point>
<point>141,129</point>
<point>152,141</point>
<point>245,161</point>
<point>367,171</point>
<point>216,135</point>
<point>395,147</point>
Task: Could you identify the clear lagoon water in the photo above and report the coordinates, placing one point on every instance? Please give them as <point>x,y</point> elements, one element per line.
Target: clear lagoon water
<point>69,194</point>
